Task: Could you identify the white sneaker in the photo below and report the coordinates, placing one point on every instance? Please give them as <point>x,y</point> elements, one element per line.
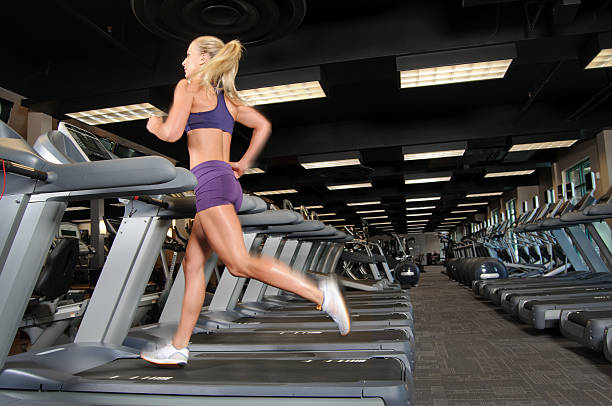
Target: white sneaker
<point>334,304</point>
<point>166,355</point>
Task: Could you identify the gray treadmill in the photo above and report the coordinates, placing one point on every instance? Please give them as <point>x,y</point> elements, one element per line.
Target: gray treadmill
<point>586,326</point>
<point>102,371</point>
<point>262,339</point>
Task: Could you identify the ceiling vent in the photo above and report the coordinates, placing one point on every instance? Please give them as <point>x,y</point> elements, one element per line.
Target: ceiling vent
<point>253,22</point>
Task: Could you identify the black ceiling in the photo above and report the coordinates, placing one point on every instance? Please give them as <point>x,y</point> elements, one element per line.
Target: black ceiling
<point>66,53</point>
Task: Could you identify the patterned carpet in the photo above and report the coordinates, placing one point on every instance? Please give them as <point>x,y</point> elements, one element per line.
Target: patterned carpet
<point>470,352</point>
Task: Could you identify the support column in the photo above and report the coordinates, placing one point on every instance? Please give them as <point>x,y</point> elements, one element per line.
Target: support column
<point>97,238</point>
<point>38,123</point>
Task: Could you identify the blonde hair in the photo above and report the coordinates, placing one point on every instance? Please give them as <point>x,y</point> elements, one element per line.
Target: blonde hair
<point>221,69</point>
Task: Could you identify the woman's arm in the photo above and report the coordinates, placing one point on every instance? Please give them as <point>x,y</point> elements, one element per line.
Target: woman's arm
<point>262,129</point>
<point>172,129</point>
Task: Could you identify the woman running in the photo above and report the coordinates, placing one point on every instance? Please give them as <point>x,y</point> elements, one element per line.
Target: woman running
<point>206,105</point>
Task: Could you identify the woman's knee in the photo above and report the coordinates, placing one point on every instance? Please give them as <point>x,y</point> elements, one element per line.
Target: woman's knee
<point>240,266</point>
<point>193,265</point>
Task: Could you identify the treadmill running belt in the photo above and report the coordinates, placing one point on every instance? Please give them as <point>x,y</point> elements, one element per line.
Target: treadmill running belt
<point>582,317</point>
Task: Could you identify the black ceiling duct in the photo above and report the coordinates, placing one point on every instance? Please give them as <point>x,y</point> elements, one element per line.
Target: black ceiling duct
<point>254,22</point>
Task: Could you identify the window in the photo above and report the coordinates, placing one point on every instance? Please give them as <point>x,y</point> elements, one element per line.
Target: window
<point>550,195</point>
<point>577,175</point>
<point>511,210</point>
<point>495,216</point>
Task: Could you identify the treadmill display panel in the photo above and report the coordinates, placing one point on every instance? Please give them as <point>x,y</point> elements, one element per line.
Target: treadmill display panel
<point>89,143</point>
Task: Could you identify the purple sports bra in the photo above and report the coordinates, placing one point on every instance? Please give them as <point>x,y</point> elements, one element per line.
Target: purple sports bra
<point>219,117</point>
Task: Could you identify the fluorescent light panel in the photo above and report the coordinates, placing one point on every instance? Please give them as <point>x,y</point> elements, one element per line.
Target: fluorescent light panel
<point>117,114</point>
<point>283,93</point>
<point>602,60</point>
<point>485,194</point>
<point>325,214</point>
<point>455,218</point>
<point>253,171</point>
<point>375,217</point>
<point>350,186</point>
<point>509,173</point>
<point>378,224</point>
<point>418,214</point>
<point>427,180</point>
<point>313,207</point>
<point>463,211</point>
<point>421,208</point>
<point>331,164</point>
<point>363,203</point>
<point>370,211</point>
<point>473,204</point>
<point>422,199</point>
<point>417,221</point>
<point>454,73</point>
<point>434,155</point>
<point>542,145</point>
<point>332,220</point>
<point>276,192</point>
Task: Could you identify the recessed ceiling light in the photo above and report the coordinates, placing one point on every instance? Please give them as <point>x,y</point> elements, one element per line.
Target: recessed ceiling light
<point>463,211</point>
<point>370,211</point>
<point>433,151</point>
<point>330,160</point>
<point>485,194</point>
<point>331,164</point>
<point>509,173</point>
<point>275,192</point>
<point>363,203</point>
<point>418,214</point>
<point>454,73</point>
<point>422,199</point>
<point>427,180</point>
<point>420,208</point>
<point>473,204</point>
<point>433,155</point>
<point>378,224</point>
<point>375,217</point>
<point>455,218</point>
<point>350,186</point>
<point>253,171</point>
<point>417,221</point>
<point>332,220</point>
<point>117,114</point>
<point>542,145</point>
<point>283,93</point>
<point>602,60</point>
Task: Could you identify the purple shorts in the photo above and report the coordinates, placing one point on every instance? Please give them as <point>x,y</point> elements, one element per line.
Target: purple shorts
<point>216,186</point>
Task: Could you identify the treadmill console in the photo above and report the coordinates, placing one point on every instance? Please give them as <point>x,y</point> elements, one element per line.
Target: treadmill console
<point>87,142</point>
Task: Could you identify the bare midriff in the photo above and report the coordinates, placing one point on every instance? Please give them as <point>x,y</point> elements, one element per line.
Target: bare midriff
<point>208,144</point>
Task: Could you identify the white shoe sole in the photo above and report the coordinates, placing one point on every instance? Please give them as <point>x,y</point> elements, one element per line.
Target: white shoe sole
<point>165,362</point>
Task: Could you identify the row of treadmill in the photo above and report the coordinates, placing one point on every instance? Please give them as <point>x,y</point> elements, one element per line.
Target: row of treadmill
<point>558,275</point>
<point>252,343</point>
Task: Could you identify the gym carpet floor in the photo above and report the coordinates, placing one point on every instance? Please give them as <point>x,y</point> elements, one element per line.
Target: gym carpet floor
<point>470,352</point>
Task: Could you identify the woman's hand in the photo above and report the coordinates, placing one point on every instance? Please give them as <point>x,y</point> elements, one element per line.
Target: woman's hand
<point>154,124</point>
<point>239,168</point>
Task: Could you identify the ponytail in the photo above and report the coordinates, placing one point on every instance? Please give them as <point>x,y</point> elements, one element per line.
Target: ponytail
<point>221,69</point>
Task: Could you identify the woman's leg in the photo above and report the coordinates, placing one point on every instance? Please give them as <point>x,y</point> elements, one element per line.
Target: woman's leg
<point>224,234</point>
<point>196,254</point>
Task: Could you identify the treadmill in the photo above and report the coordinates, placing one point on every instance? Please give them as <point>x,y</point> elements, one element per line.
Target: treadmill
<point>586,326</point>
<point>101,371</point>
<point>267,339</point>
